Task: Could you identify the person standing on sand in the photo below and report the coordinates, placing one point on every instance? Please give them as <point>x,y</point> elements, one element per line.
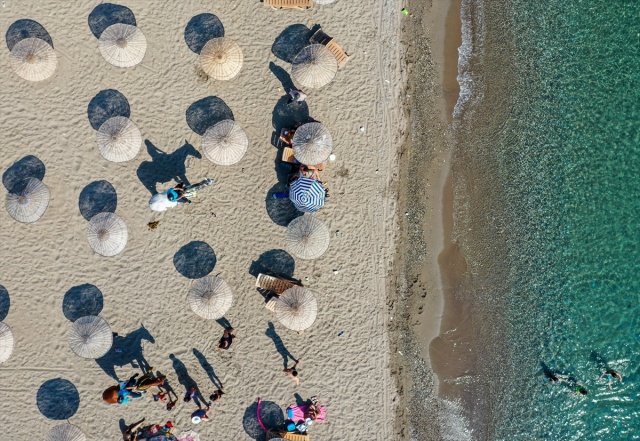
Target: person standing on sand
<point>293,373</point>
<point>130,433</point>
<point>227,339</point>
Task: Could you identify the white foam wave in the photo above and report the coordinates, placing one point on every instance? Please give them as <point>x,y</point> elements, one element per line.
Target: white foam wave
<point>470,54</point>
<point>453,424</point>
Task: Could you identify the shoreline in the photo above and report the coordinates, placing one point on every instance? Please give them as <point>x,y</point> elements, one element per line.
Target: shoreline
<point>423,274</point>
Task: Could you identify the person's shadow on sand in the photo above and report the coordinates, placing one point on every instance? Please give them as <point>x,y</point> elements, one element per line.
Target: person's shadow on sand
<point>129,352</point>
<point>186,381</point>
<point>281,348</point>
<point>165,167</point>
<point>208,368</point>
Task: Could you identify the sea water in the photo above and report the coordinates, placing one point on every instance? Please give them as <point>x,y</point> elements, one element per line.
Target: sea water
<point>547,181</point>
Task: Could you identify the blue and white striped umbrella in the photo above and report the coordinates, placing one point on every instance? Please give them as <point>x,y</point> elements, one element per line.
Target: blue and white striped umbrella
<point>307,195</point>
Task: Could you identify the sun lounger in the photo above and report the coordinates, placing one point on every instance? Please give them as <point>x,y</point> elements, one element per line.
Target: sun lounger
<point>320,37</point>
<point>271,303</point>
<point>294,436</point>
<point>276,285</point>
<point>341,56</point>
<point>289,4</point>
<point>287,155</point>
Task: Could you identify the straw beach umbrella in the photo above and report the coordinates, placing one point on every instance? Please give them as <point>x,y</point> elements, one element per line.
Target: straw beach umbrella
<point>119,139</point>
<point>296,308</point>
<point>107,234</point>
<point>307,237</point>
<point>314,66</point>
<point>210,297</point>
<point>33,59</point>
<point>122,45</point>
<point>221,58</point>
<point>225,143</point>
<point>307,195</point>
<point>312,143</point>
<point>65,432</point>
<point>6,342</point>
<point>27,202</point>
<point>90,337</point>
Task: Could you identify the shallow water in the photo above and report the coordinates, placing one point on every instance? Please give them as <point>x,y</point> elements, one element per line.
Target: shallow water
<point>548,212</point>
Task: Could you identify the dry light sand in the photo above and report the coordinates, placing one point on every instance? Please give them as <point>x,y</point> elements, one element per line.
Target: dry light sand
<point>42,261</point>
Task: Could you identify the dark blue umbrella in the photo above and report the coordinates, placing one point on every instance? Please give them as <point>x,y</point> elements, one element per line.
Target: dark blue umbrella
<point>307,195</point>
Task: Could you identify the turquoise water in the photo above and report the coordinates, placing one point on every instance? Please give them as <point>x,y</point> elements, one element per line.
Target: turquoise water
<point>568,210</point>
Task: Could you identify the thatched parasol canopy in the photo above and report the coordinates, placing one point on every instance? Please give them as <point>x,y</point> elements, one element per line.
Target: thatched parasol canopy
<point>107,234</point>
<point>210,297</point>
<point>312,143</point>
<point>314,66</point>
<point>119,139</point>
<point>297,308</point>
<point>28,201</point>
<point>122,45</point>
<point>307,237</point>
<point>225,143</point>
<point>90,337</point>
<point>33,59</point>
<point>65,432</point>
<point>221,58</point>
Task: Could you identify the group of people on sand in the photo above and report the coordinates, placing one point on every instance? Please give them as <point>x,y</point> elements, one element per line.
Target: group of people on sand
<point>577,387</point>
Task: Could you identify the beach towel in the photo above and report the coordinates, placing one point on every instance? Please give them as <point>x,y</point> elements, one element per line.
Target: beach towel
<point>296,413</point>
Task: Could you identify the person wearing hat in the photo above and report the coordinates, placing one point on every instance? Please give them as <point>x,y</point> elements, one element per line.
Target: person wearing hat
<point>200,415</point>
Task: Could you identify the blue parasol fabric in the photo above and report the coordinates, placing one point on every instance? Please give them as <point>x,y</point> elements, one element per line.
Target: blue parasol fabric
<point>307,195</point>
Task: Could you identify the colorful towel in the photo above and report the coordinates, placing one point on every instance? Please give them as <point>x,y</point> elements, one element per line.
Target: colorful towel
<point>296,413</point>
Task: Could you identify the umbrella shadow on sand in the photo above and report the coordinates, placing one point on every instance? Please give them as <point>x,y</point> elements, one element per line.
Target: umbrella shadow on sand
<point>5,303</point>
<point>277,263</point>
<point>97,197</point>
<point>195,260</point>
<point>81,301</point>
<point>58,399</point>
<point>271,415</point>
<point>165,167</point>
<point>291,41</point>
<point>206,113</point>
<point>107,104</point>
<point>125,351</point>
<point>200,29</point>
<point>24,168</point>
<point>108,14</point>
<point>25,28</point>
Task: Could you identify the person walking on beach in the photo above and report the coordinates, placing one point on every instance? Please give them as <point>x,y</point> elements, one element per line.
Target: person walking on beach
<point>130,433</point>
<point>293,373</point>
<point>227,339</point>
<point>191,393</point>
<point>611,374</point>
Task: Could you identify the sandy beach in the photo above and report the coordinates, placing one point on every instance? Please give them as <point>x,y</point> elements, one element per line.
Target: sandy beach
<point>232,229</point>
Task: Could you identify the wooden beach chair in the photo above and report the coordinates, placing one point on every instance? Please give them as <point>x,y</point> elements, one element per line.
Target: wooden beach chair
<point>320,37</point>
<point>289,4</point>
<point>287,155</point>
<point>276,285</point>
<point>294,436</point>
